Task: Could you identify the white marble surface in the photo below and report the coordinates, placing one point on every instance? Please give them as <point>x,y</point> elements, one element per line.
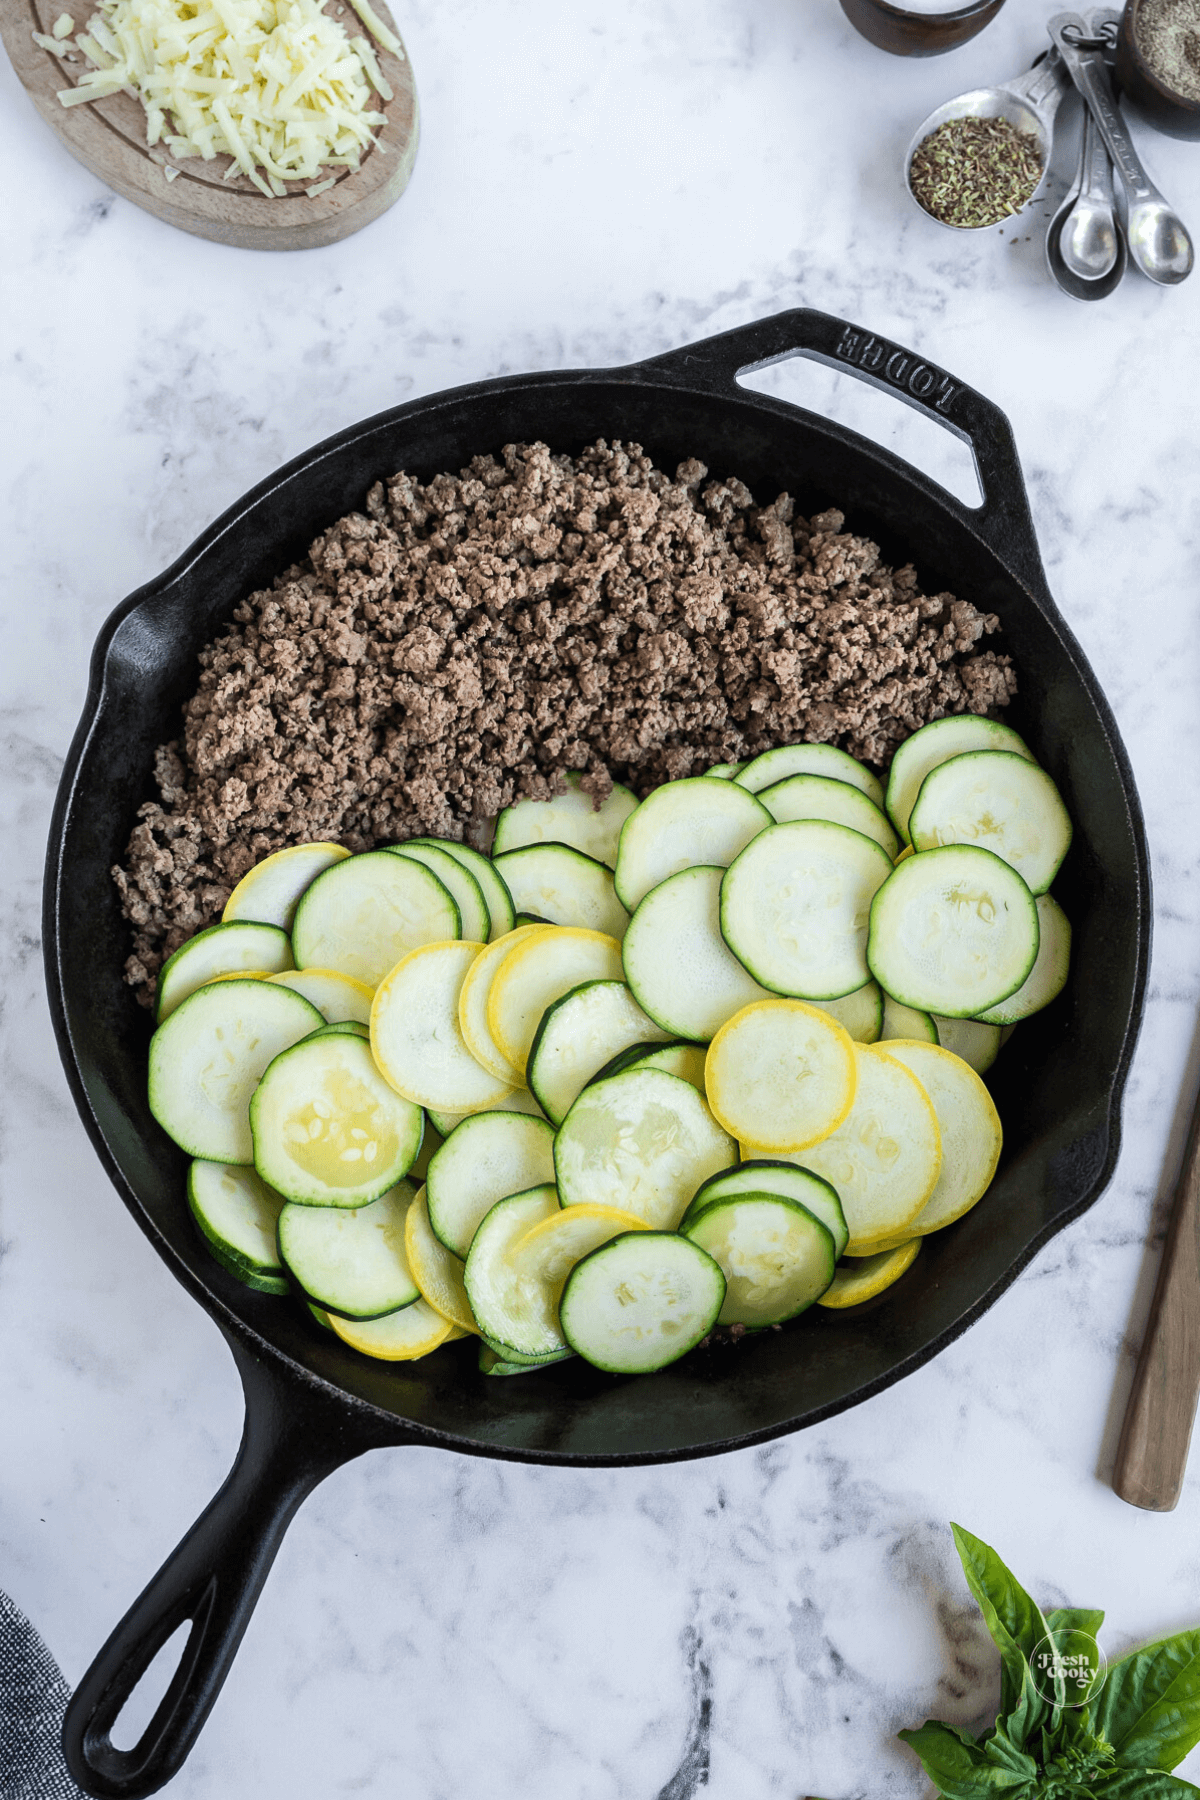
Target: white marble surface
<point>596,182</point>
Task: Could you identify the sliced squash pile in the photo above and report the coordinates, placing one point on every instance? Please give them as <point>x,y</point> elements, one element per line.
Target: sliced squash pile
<point>709,1059</point>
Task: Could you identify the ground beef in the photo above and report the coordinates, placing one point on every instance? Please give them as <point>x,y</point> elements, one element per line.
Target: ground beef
<point>463,642</point>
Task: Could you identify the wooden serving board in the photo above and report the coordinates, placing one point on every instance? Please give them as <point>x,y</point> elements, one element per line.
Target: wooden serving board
<point>109,138</point>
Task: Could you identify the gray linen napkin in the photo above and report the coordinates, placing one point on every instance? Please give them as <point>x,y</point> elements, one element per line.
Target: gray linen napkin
<point>33,1698</point>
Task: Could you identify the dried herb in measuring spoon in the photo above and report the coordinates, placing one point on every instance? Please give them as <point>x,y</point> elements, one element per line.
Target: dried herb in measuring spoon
<point>975,172</point>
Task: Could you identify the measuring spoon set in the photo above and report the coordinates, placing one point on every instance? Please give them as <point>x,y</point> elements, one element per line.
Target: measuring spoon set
<point>1097,231</point>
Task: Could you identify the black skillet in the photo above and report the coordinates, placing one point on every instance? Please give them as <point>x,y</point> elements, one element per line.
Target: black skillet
<point>311,1402</point>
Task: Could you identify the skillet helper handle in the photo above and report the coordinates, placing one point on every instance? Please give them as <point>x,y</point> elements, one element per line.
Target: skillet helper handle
<point>213,1579</point>
<point>1152,1453</point>
<point>1003,521</point>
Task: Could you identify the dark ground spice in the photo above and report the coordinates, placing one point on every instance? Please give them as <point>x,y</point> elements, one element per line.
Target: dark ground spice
<point>1168,36</point>
<point>975,172</point>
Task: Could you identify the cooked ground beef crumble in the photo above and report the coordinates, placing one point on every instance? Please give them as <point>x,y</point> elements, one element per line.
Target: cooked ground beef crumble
<point>462,643</point>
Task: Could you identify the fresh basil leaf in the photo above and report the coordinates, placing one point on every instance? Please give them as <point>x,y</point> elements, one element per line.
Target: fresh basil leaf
<point>1017,1627</point>
<point>1149,1707</point>
<point>1000,1750</point>
<point>964,1771</point>
<point>1074,1618</point>
<point>1143,1784</point>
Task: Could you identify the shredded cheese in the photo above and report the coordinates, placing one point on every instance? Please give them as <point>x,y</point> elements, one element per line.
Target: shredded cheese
<point>275,85</point>
<point>63,26</point>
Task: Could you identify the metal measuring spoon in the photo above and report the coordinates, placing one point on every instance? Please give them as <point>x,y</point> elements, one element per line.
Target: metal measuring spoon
<point>1029,102</point>
<point>1085,247</point>
<point>1158,240</point>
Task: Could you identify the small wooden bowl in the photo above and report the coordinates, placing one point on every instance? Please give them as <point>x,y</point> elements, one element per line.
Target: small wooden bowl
<point>1160,105</point>
<point>919,34</point>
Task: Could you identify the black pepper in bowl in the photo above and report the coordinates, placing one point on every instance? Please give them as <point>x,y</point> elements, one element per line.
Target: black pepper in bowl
<point>1167,33</point>
<point>973,172</point>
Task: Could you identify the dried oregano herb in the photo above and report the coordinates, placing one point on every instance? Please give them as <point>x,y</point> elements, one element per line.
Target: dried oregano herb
<point>972,172</point>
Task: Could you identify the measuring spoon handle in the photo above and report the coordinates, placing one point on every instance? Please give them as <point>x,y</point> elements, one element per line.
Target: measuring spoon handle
<point>1087,71</point>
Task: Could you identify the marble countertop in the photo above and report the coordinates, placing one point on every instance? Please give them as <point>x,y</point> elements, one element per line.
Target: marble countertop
<point>595,183</point>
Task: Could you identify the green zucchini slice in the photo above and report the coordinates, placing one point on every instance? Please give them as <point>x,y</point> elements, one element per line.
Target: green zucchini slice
<point>681,971</point>
<point>776,1257</point>
<point>485,1158</point>
<point>328,1129</point>
<point>242,947</point>
<point>641,1142</point>
<point>557,885</point>
<point>821,797</point>
<point>516,1313</point>
<point>795,907</point>
<point>641,1301</point>
<point>207,1059</point>
<point>1048,976</point>
<point>568,818</point>
<point>1001,802</point>
<point>362,915</point>
<point>953,932</point>
<point>906,1022</point>
<point>936,743</point>
<point>680,825</point>
<point>860,1014</point>
<point>769,1175</point>
<point>975,1041</point>
<point>238,1215</point>
<point>475,919</point>
<point>352,1263</point>
<point>577,1036</point>
<point>496,895</point>
<point>810,759</point>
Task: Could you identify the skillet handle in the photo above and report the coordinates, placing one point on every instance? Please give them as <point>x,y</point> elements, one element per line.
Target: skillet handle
<point>213,1578</point>
<point>1003,521</point>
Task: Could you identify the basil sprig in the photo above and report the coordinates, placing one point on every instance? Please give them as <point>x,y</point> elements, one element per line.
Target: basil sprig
<point>1121,1745</point>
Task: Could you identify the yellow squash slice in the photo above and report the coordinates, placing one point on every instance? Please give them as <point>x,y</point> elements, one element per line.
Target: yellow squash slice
<point>272,889</point>
<point>473,1001</point>
<point>781,1075</point>
<point>398,1337</point>
<point>540,971</point>
<point>885,1159</point>
<point>860,1278</point>
<point>437,1272</point>
<point>415,1035</point>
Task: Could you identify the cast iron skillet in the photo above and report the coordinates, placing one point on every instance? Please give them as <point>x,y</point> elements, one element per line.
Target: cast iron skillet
<point>313,1403</point>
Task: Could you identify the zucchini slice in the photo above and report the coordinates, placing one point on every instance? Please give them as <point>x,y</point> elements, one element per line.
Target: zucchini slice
<point>437,1271</point>
<point>776,1257</point>
<point>1048,976</point>
<point>969,1127</point>
<point>487,1157</point>
<point>415,1034</point>
<point>345,1028</point>
<point>1001,802</point>
<point>207,1059</point>
<point>524,1286</point>
<point>810,759</point>
<point>492,1362</point>
<point>578,1035</point>
<point>771,1175</point>
<point>363,915</point>
<point>564,887</point>
<point>271,891</point>
<point>859,1278</point>
<point>475,921</point>
<point>725,771</point>
<point>400,1336</point>
<point>936,743</point>
<point>820,797</point>
<point>781,1075</point>
<point>682,824</point>
<point>681,971</point>
<point>238,1214</point>
<point>796,904</point>
<point>861,1013</point>
<point>328,1130</point>
<point>568,818</point>
<point>472,1003</point>
<point>641,1142</point>
<point>516,1100</point>
<point>906,1022</point>
<point>641,1301</point>
<point>496,896</point>
<point>885,1158</point>
<point>240,948</point>
<point>975,1041</point>
<point>539,971</point>
<point>352,1263</point>
<point>953,932</point>
<point>515,1312</point>
<point>336,997</point>
<point>682,1059</point>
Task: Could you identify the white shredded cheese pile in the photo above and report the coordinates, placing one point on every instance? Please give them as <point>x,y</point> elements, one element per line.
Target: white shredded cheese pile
<point>274,84</point>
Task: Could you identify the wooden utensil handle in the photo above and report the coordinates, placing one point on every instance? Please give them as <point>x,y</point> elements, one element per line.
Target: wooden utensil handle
<point>1152,1454</point>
